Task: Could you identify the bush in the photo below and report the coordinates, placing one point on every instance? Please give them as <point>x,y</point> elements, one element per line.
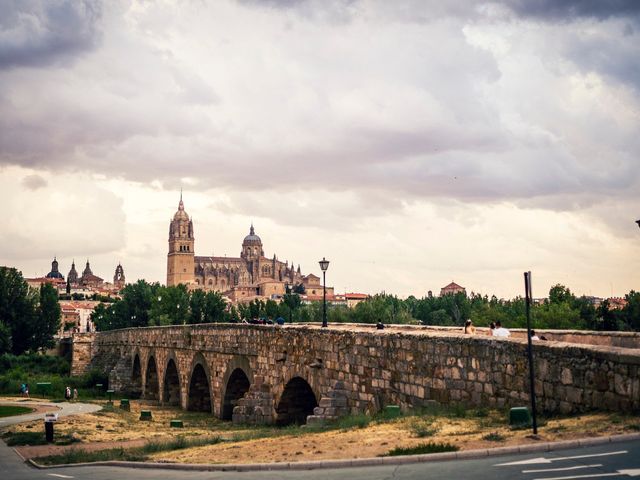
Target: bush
<point>423,448</point>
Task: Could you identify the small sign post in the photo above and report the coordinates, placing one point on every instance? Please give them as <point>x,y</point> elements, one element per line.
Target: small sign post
<point>528,297</point>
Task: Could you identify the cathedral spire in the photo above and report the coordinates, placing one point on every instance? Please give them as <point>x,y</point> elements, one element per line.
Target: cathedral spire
<point>252,230</point>
<point>181,204</point>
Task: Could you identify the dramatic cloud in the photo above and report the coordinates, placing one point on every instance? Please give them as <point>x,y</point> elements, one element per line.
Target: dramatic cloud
<point>35,33</point>
<point>321,116</point>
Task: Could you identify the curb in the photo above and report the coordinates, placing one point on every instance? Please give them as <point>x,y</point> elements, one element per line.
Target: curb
<point>357,462</point>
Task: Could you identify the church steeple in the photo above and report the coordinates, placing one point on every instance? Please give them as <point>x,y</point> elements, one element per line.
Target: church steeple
<point>181,259</point>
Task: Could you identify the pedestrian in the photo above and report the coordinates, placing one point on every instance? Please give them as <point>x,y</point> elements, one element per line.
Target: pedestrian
<point>380,325</point>
<point>75,394</point>
<point>26,390</point>
<point>67,393</point>
<point>469,327</point>
<point>500,331</point>
<point>23,387</point>
<point>534,336</point>
<point>492,327</point>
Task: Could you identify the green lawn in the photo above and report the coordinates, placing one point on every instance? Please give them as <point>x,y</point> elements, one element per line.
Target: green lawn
<point>11,410</point>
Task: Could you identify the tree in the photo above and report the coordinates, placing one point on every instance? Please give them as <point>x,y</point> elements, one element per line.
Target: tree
<point>17,312</point>
<point>197,305</point>
<point>292,301</point>
<point>48,318</point>
<point>215,308</point>
<point>560,294</point>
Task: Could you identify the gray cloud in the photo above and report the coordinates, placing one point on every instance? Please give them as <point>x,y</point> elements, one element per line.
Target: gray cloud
<point>40,33</point>
<point>34,182</point>
<point>567,10</point>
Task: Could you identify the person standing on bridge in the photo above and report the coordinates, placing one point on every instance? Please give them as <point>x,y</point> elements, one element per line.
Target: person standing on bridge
<point>469,328</point>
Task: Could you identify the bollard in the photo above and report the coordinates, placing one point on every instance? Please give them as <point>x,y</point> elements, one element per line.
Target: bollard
<point>124,404</point>
<point>145,415</point>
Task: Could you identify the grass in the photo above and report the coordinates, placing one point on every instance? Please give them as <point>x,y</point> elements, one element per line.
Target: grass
<point>422,427</point>
<point>430,447</point>
<point>494,437</point>
<point>11,410</point>
<point>16,439</point>
<point>139,454</point>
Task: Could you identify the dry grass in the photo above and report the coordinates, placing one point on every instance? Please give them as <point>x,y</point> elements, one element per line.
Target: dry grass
<point>465,430</point>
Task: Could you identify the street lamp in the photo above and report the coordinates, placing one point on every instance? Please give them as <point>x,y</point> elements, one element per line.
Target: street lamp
<point>324,264</point>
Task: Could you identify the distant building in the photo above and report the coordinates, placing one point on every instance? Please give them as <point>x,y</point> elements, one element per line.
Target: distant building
<point>118,278</point>
<point>55,273</point>
<point>354,299</point>
<point>241,279</point>
<point>452,289</point>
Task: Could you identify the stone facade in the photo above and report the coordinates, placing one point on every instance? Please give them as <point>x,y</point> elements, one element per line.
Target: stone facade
<point>240,279</point>
<point>272,374</point>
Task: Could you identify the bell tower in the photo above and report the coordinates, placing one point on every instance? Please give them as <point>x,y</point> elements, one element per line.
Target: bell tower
<point>181,256</point>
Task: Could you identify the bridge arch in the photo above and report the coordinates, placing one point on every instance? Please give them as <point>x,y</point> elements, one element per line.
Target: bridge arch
<point>152,386</point>
<point>296,402</point>
<point>171,384</point>
<point>235,383</point>
<point>199,396</point>
<point>135,388</point>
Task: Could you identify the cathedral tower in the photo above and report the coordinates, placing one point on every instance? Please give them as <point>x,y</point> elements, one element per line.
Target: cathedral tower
<point>118,277</point>
<point>180,260</point>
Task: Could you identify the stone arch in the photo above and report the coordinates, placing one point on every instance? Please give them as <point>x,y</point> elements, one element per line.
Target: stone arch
<point>199,396</point>
<point>152,386</point>
<point>236,382</point>
<point>135,389</point>
<point>171,383</point>
<point>296,402</point>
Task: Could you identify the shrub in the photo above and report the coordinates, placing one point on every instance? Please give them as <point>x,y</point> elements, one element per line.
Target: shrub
<point>430,447</point>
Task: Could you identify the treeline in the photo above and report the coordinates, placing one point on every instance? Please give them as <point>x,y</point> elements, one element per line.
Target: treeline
<point>28,318</point>
<point>145,304</point>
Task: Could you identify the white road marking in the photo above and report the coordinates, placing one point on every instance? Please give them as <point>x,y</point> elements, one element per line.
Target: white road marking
<point>549,460</point>
<point>59,475</point>
<point>542,470</point>
<point>632,473</point>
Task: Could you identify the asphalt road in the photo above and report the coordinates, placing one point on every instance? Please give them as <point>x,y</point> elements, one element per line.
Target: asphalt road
<point>610,461</point>
<point>62,409</point>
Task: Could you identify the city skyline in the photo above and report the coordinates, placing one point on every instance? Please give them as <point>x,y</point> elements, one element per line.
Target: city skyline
<point>411,143</point>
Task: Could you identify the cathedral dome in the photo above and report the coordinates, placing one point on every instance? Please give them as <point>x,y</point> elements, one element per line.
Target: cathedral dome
<point>252,238</point>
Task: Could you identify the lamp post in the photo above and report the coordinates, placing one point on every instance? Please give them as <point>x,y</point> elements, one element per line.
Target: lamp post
<point>324,264</point>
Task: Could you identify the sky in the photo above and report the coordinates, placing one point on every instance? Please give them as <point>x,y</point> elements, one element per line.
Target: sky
<point>411,143</point>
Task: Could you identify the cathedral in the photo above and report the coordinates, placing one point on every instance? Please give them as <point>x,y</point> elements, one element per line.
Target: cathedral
<point>241,278</point>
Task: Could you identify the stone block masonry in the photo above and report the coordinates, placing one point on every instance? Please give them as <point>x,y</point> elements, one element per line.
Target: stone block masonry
<point>249,369</point>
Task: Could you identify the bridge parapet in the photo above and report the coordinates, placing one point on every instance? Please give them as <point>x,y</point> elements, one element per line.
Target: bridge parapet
<point>214,366</point>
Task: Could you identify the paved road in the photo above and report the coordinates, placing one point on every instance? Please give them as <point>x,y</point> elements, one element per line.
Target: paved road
<point>611,461</point>
<point>63,409</point>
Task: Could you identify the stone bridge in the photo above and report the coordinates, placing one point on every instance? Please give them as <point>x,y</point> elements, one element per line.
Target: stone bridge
<point>270,374</point>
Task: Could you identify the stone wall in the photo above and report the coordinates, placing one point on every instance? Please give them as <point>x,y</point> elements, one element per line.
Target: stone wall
<point>370,369</point>
<point>82,352</point>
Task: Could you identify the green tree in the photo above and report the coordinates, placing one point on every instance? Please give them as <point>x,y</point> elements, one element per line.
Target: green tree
<point>17,312</point>
<point>48,318</point>
<point>197,305</point>
<point>292,302</point>
<point>631,311</point>
<point>215,308</point>
<point>271,309</point>
<point>560,294</point>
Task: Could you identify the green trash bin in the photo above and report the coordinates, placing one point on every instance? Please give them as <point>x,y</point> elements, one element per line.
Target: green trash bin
<point>145,415</point>
<point>176,424</point>
<point>43,388</point>
<point>392,411</point>
<point>519,417</point>
<point>124,404</point>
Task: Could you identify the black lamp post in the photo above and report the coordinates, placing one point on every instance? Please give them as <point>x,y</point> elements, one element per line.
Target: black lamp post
<point>324,264</point>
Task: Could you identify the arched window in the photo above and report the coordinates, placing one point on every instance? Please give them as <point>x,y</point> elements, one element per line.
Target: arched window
<point>210,282</point>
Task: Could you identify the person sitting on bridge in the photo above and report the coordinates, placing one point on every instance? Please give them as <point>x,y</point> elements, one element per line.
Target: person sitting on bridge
<point>469,327</point>
<point>500,331</point>
<point>380,325</point>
